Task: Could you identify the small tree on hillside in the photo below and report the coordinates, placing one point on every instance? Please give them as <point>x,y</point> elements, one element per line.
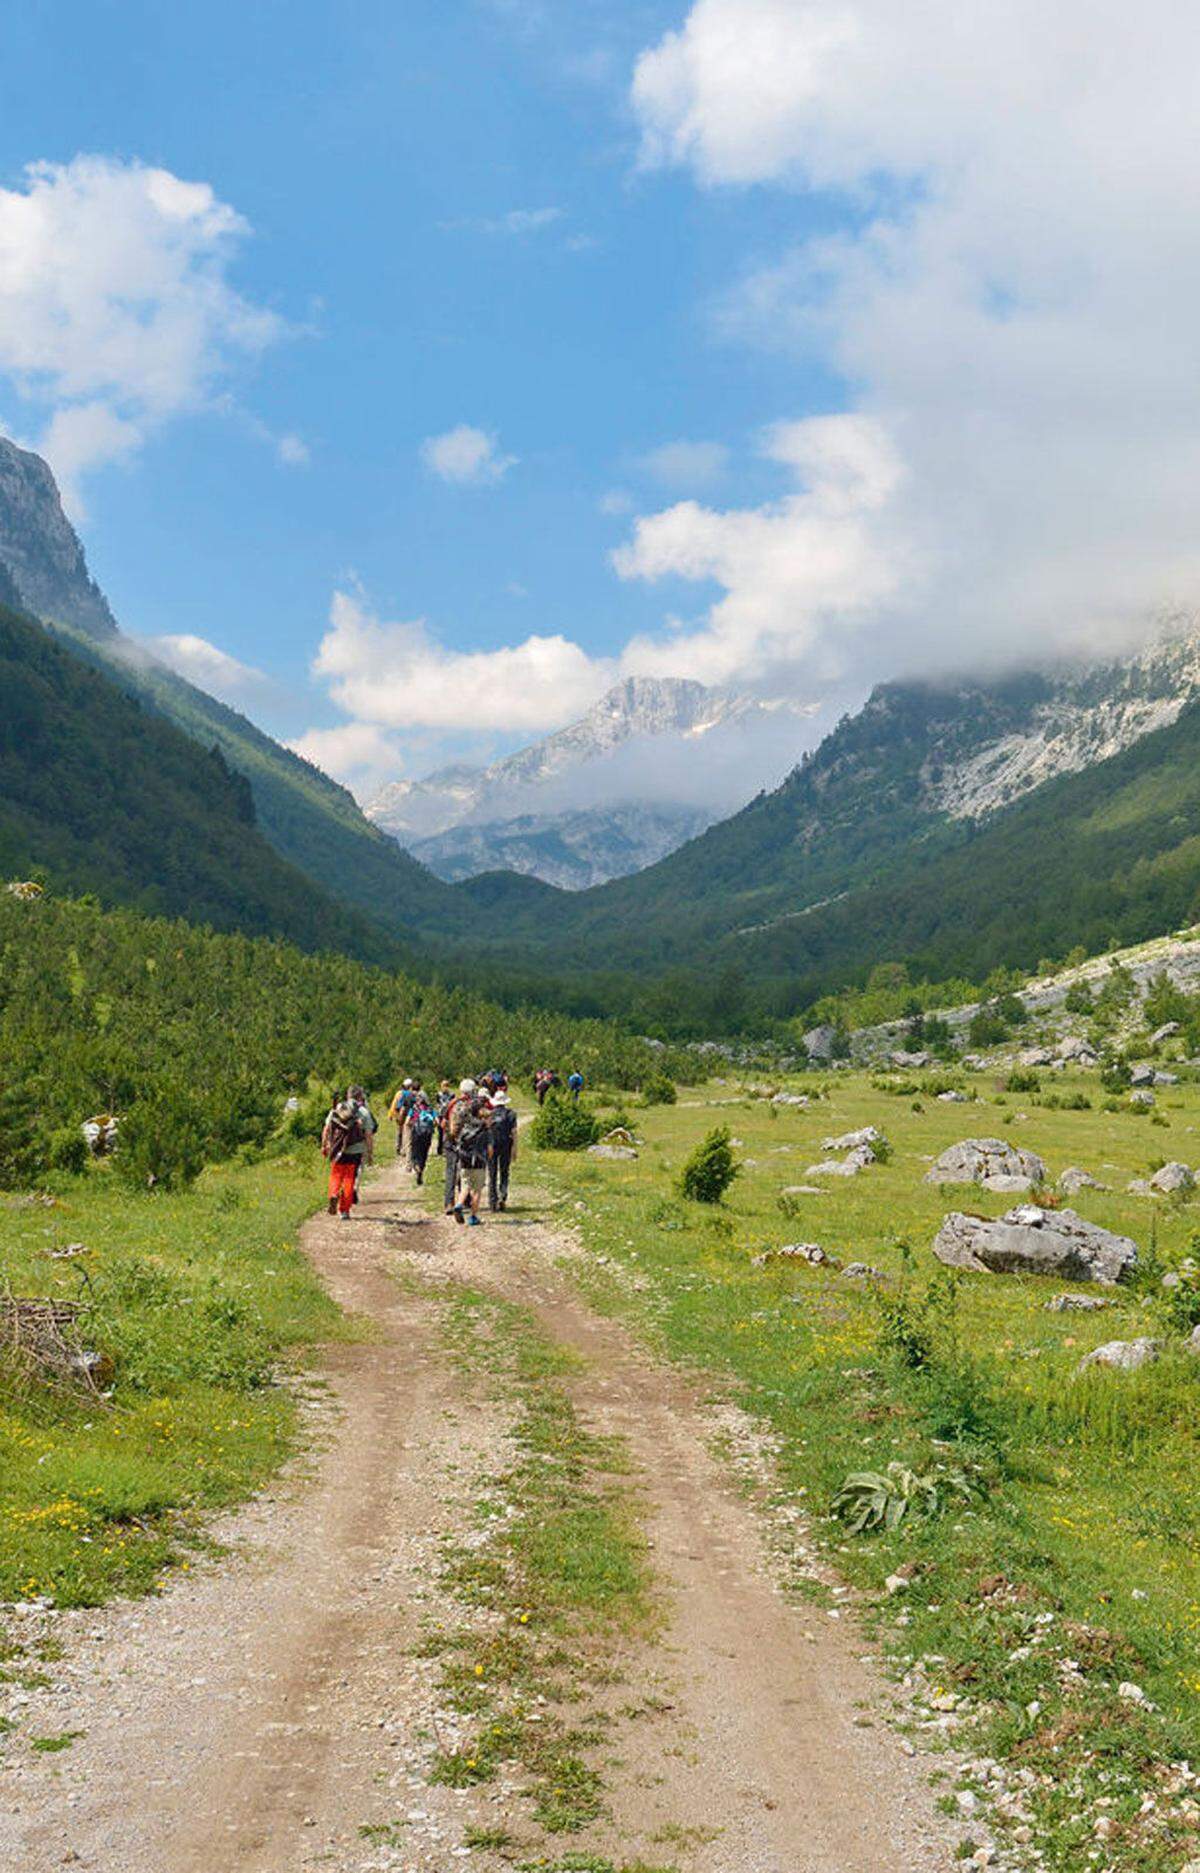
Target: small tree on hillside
<point>710,1170</point>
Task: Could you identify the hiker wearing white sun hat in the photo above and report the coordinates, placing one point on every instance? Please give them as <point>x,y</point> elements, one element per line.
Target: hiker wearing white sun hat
<point>503,1152</point>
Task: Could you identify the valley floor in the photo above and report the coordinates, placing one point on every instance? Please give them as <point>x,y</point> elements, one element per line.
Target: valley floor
<point>298,1706</point>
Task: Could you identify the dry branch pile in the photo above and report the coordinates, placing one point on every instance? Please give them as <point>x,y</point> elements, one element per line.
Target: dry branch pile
<point>39,1343</point>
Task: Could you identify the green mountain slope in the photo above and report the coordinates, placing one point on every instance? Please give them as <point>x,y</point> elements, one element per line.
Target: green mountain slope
<point>1101,858</point>
<point>106,797</point>
<point>308,818</point>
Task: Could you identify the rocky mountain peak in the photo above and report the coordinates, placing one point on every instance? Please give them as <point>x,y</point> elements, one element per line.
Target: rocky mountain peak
<point>40,550</point>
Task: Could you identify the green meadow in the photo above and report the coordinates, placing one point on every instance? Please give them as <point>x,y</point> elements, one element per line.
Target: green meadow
<point>1075,1567</point>
<point>194,1297</point>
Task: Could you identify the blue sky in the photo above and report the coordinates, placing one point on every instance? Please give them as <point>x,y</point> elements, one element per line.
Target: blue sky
<point>375,152</point>
<point>441,364</point>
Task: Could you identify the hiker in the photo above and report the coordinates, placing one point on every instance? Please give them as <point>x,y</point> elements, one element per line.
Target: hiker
<point>445,1100</point>
<point>400,1111</point>
<point>543,1080</point>
<point>575,1085</point>
<point>452,1118</point>
<point>421,1128</point>
<point>503,1151</point>
<point>471,1127</point>
<point>341,1142</point>
<point>370,1125</point>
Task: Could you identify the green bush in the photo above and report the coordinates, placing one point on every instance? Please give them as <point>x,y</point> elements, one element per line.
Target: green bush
<point>66,1150</point>
<point>164,1140</point>
<point>659,1090</point>
<point>710,1169</point>
<point>21,1141</point>
<point>1023,1081</point>
<point>1115,1074</point>
<point>563,1126</point>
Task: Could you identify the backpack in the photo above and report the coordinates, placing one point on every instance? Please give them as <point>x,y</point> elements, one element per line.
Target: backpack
<point>504,1125</point>
<point>343,1133</point>
<point>472,1142</point>
<point>422,1122</point>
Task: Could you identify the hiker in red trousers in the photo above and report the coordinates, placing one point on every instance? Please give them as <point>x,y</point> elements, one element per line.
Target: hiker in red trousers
<point>342,1141</point>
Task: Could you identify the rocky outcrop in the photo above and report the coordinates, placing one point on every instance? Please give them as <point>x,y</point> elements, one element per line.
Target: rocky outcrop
<point>1033,1241</point>
<point>40,551</point>
<point>1173,1179</point>
<point>1074,1179</point>
<point>1122,1355</point>
<point>990,1162</point>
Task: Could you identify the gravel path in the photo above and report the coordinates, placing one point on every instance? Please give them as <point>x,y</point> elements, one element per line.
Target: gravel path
<point>267,1709</point>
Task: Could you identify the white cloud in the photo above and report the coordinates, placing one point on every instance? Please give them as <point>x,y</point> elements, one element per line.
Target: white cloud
<point>523,221</point>
<point>293,451</point>
<point>617,502</point>
<point>116,311</point>
<point>210,668</point>
<point>397,675</point>
<point>792,572</point>
<point>466,456</point>
<point>360,755</point>
<point>687,467</point>
<point>1012,301</point>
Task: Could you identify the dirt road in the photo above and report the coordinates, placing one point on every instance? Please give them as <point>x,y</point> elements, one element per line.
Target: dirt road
<point>263,1714</point>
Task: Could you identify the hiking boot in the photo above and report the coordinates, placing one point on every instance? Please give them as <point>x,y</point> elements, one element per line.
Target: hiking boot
<point>333,1206</point>
<point>456,1213</point>
<point>345,1217</point>
<point>473,1220</point>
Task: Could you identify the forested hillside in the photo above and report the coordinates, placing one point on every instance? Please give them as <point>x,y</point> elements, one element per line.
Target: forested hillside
<point>195,1038</point>
<point>104,796</point>
<point>309,819</point>
<point>1108,855</point>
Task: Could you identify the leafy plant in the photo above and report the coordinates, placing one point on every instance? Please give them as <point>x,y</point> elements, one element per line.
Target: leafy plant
<point>871,1499</point>
<point>563,1126</point>
<point>710,1169</point>
<point>659,1090</point>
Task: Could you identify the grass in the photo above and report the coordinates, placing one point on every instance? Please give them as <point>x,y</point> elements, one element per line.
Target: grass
<point>561,1575</point>
<point>1080,1569</point>
<point>197,1299</point>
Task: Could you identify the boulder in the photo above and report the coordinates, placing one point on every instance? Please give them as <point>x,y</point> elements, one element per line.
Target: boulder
<point>917,1061</point>
<point>863,1271</point>
<point>1142,1097</point>
<point>850,1141</point>
<point>621,1152</point>
<point>1036,1057</point>
<point>1140,1187</point>
<point>1192,1343</point>
<point>1172,1177</point>
<point>1142,1074</point>
<point>1166,1032</point>
<point>1076,1303</point>
<point>819,1043</point>
<point>834,1167</point>
<point>801,1190</point>
<point>1074,1179</point>
<point>1033,1241</point>
<point>1123,1355</point>
<point>953,1099</point>
<point>790,1099</point>
<point>988,1161</point>
<point>1079,1052</point>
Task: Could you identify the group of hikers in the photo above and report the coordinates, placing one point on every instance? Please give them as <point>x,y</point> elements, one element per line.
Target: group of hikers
<point>546,1079</point>
<point>474,1131</point>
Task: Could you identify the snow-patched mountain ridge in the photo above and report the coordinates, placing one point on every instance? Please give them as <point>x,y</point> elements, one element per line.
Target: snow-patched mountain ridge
<point>1084,717</point>
<point>649,766</point>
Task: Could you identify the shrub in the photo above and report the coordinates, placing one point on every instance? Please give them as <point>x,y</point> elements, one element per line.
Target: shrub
<point>563,1126</point>
<point>21,1141</point>
<point>1079,999</point>
<point>710,1169</point>
<point>67,1150</point>
<point>1115,1074</point>
<point>1023,1081</point>
<point>164,1142</point>
<point>659,1090</point>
